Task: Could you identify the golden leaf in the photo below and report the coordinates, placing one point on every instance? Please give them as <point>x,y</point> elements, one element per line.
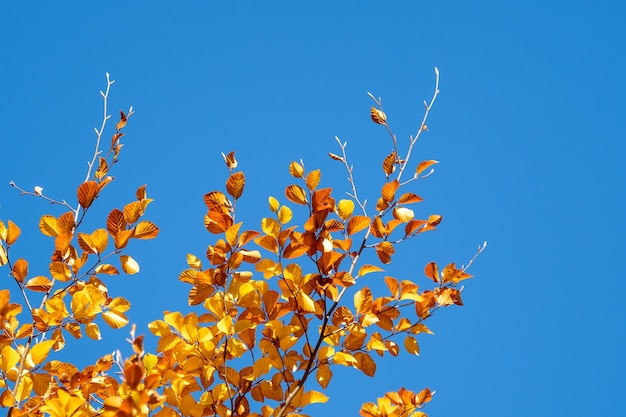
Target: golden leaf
<point>20,269</point>
<point>366,363</point>
<point>194,262</point>
<point>48,225</point>
<point>3,256</point>
<point>115,222</point>
<point>133,211</point>
<point>296,194</point>
<point>357,223</point>
<point>93,331</point>
<point>86,193</point>
<point>378,116</point>
<point>285,215</point>
<point>39,284</point>
<point>145,230</point>
<point>366,269</point>
<point>273,204</point>
<point>129,265</point>
<point>413,225</point>
<point>313,179</point>
<point>115,319</point>
<point>296,170</point>
<point>345,208</point>
<point>422,166</point>
<point>106,269</point>
<point>335,157</point>
<point>323,375</point>
<point>451,273</point>
<point>434,219</point>
<point>122,237</point>
<point>12,233</point>
<point>235,184</point>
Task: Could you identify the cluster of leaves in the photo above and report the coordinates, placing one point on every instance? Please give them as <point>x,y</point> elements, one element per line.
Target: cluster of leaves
<point>274,310</point>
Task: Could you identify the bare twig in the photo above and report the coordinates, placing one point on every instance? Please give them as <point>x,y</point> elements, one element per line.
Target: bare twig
<point>105,117</point>
<point>478,252</point>
<point>349,168</point>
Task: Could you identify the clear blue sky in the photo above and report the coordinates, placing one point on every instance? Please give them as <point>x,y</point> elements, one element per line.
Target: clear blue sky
<point>528,129</point>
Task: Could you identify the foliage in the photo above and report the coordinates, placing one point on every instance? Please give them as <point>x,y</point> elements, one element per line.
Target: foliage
<point>278,308</point>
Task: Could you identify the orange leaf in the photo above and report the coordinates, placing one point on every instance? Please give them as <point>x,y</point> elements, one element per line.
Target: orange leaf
<point>141,193</point>
<point>132,211</point>
<point>13,232</point>
<point>145,230</point>
<point>60,271</point>
<point>322,200</point>
<point>434,219</point>
<point>366,269</point>
<point>106,269</point>
<point>296,194</point>
<point>103,169</point>
<point>409,198</point>
<point>366,363</point>
<point>116,222</point>
<point>432,272</point>
<point>422,166</point>
<point>20,269</point>
<point>389,163</point>
<point>413,225</point>
<point>87,192</point>
<point>231,162</point>
<point>235,184</point>
<point>411,346</point>
<point>357,223</point>
<point>48,225</point>
<point>389,190</point>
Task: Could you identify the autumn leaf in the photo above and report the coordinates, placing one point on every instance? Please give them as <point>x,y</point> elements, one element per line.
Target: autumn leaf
<point>235,184</point>
<point>424,165</point>
<point>378,116</point>
<point>87,192</point>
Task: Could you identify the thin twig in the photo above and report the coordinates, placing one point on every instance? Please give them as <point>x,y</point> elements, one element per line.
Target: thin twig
<point>478,252</point>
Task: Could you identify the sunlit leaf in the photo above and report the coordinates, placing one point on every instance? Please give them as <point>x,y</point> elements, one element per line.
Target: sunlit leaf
<point>39,284</point>
<point>285,215</point>
<point>115,319</point>
<point>120,125</point>
<point>384,250</point>
<point>389,163</point>
<point>106,269</point>
<point>129,265</point>
<point>366,269</point>
<point>48,225</point>
<point>273,204</point>
<point>388,191</point>
<point>93,331</point>
<point>345,208</point>
<point>409,198</point>
<point>411,346</point>
<point>231,162</point>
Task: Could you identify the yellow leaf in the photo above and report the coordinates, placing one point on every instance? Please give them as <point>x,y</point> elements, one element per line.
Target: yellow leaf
<point>93,331</point>
<point>129,265</point>
<point>115,319</point>
<point>273,204</point>
<point>225,325</point>
<point>323,375</point>
<point>232,233</point>
<point>40,351</point>
<point>235,184</point>
<point>296,169</point>
<point>345,208</point>
<point>8,359</point>
<point>403,214</point>
<point>366,269</point>
<point>285,215</point>
<point>3,256</point>
<point>313,397</point>
<point>411,346</point>
<point>145,230</point>
<point>342,358</point>
<point>48,225</point>
<point>150,361</point>
<point>133,211</point>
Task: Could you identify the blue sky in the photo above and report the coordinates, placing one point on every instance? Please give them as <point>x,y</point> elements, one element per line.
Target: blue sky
<point>528,129</point>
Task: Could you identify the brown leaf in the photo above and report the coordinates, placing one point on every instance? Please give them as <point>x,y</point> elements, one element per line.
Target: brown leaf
<point>357,223</point>
<point>231,162</point>
<point>141,193</point>
<point>384,250</point>
<point>116,222</point>
<point>389,163</point>
<point>431,271</point>
<point>120,125</point>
